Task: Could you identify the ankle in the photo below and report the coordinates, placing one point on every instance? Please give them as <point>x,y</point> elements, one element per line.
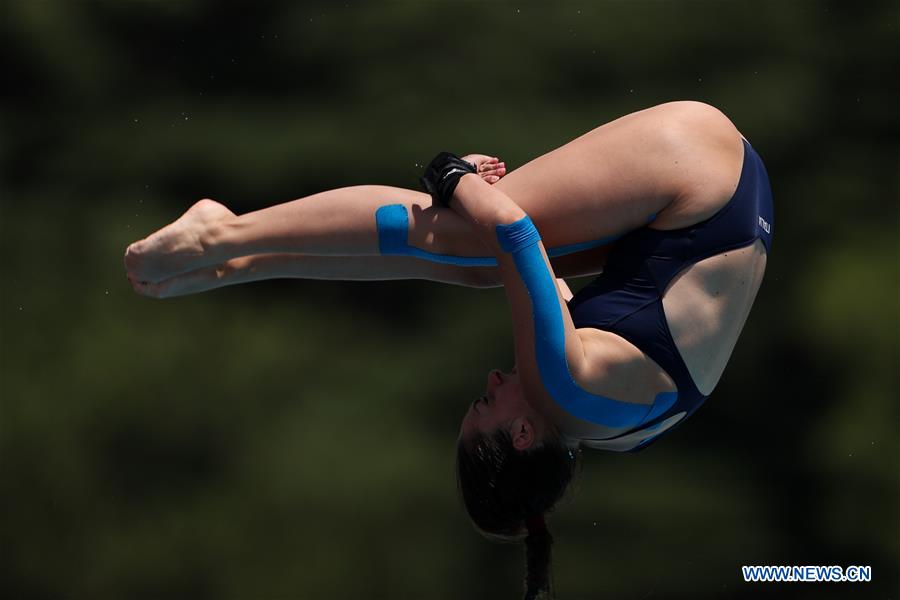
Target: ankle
<point>215,238</point>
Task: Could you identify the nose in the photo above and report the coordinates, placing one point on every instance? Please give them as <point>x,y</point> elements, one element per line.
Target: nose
<point>495,378</point>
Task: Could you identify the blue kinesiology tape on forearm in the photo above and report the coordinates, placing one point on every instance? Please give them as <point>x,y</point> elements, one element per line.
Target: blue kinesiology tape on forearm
<point>392,221</point>
<point>521,240</point>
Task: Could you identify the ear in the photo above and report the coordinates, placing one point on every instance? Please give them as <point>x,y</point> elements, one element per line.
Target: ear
<point>522,432</point>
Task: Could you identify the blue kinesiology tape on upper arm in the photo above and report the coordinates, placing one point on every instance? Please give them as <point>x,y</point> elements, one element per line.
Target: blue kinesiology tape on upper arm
<point>521,239</point>
<point>392,221</point>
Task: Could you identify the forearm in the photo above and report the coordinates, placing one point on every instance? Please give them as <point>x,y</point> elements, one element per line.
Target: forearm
<point>484,207</point>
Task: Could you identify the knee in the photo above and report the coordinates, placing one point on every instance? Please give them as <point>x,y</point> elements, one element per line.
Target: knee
<point>695,109</point>
<point>697,125</point>
<point>700,116</point>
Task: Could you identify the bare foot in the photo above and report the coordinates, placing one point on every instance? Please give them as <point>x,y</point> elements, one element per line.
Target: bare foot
<point>193,282</point>
<point>176,248</point>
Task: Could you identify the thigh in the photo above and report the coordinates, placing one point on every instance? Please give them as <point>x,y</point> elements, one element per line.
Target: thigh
<point>612,179</point>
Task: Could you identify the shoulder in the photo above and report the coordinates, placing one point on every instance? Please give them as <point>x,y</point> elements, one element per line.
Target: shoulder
<point>615,368</point>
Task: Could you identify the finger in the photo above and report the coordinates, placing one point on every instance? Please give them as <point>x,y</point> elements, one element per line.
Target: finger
<point>486,164</point>
<point>492,179</point>
<point>497,170</point>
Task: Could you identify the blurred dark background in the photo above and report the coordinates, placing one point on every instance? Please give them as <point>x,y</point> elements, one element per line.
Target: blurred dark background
<point>295,439</point>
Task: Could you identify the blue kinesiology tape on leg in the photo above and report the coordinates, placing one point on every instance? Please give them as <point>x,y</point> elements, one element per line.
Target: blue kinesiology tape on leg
<point>521,240</point>
<point>393,232</point>
<point>392,221</point>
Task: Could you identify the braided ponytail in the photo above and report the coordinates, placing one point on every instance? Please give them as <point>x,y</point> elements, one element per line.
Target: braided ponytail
<point>507,493</point>
<point>538,543</point>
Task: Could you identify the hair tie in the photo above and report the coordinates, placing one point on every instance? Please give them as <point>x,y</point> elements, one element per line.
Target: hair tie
<point>535,523</point>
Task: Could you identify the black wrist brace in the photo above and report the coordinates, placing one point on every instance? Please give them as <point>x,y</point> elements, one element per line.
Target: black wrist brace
<point>442,174</point>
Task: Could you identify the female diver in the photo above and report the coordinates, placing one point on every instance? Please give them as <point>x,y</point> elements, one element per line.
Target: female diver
<point>671,203</point>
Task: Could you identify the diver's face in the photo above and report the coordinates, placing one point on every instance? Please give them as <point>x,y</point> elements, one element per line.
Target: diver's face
<point>503,404</point>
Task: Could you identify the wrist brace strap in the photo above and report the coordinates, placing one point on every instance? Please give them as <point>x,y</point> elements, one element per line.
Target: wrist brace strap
<point>442,174</point>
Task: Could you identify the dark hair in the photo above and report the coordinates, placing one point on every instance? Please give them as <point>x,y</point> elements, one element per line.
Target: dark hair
<point>507,493</point>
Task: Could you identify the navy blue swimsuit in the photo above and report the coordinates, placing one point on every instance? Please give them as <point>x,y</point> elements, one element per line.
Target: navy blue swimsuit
<point>627,298</point>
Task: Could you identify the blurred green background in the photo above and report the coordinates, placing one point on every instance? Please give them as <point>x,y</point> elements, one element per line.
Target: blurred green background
<point>295,439</point>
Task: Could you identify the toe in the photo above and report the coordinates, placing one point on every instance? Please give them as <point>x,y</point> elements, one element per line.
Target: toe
<point>128,259</point>
<point>145,288</point>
